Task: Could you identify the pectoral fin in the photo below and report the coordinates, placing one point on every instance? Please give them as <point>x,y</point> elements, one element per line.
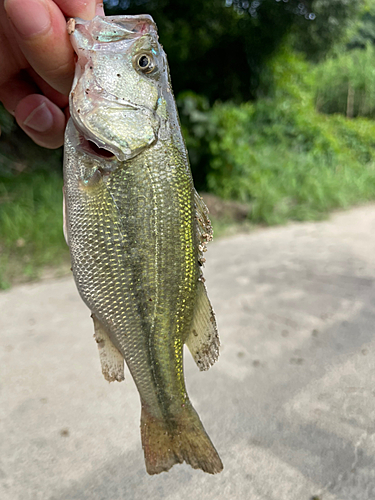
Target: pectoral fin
<point>111,359</point>
<point>203,340</point>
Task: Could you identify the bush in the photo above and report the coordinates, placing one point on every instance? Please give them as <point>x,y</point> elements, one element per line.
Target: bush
<point>291,169</point>
<point>346,84</point>
<point>281,156</point>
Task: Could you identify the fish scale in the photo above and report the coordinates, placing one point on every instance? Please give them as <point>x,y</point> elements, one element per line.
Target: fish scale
<point>136,230</point>
<point>109,271</point>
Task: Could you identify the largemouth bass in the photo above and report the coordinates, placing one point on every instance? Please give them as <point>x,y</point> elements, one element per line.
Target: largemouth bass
<point>137,231</point>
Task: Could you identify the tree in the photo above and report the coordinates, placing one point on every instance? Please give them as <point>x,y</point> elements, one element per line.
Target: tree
<point>332,20</point>
<point>362,30</point>
<point>218,48</point>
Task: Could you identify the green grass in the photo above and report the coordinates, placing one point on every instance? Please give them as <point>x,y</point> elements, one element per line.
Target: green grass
<point>283,185</point>
<point>31,236</point>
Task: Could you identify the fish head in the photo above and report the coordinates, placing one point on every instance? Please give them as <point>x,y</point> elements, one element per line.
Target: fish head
<point>116,101</point>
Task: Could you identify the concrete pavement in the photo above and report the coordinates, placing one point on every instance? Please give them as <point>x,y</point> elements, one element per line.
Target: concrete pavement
<point>290,405</point>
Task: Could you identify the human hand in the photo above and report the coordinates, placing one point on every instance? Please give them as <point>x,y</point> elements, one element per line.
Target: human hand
<point>37,63</point>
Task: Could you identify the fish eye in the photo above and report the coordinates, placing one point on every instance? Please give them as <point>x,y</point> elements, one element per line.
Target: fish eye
<point>145,63</point>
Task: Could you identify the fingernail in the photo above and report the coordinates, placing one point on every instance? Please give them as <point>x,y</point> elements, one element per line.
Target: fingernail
<point>29,18</point>
<point>40,119</point>
<point>99,11</point>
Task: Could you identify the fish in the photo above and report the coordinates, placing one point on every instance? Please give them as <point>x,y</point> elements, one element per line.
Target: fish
<point>137,231</point>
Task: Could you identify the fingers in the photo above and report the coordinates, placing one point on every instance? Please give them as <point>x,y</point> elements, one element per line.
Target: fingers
<point>81,8</point>
<point>37,115</point>
<point>99,9</point>
<point>37,39</point>
<point>60,100</point>
<point>42,120</point>
<point>40,30</point>
<point>15,89</point>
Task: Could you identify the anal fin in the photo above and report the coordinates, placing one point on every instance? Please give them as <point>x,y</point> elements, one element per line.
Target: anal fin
<point>111,359</point>
<point>203,340</point>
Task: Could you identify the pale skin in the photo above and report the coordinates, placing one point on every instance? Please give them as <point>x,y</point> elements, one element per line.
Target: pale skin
<point>37,63</point>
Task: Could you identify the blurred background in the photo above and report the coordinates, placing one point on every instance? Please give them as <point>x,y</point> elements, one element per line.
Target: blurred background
<point>277,106</point>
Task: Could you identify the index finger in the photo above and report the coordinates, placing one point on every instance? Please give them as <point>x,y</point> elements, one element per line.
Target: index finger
<point>81,8</point>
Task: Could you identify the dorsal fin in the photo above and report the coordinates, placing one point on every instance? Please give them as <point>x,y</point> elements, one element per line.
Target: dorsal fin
<point>203,340</point>
<point>204,227</point>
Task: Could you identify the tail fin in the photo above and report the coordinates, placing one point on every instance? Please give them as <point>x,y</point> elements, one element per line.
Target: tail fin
<point>186,440</point>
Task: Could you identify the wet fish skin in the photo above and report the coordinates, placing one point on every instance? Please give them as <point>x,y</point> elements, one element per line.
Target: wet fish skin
<point>137,230</point>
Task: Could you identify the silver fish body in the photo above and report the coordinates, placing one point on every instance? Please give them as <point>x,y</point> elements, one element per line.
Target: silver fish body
<point>137,230</point>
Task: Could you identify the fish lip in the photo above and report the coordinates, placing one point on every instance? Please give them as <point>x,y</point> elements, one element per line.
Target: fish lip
<point>91,148</point>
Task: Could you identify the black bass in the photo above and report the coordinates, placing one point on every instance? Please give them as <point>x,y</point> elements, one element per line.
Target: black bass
<point>137,231</point>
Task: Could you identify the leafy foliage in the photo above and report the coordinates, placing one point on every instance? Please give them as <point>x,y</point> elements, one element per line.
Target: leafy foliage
<point>285,159</point>
<point>218,48</point>
<point>298,170</point>
<point>332,20</point>
<point>362,29</point>
<point>346,84</point>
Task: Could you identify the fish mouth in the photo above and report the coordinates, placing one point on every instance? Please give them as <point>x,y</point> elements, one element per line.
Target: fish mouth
<point>93,149</point>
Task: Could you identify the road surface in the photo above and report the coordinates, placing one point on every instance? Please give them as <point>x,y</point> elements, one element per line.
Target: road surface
<point>290,405</point>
